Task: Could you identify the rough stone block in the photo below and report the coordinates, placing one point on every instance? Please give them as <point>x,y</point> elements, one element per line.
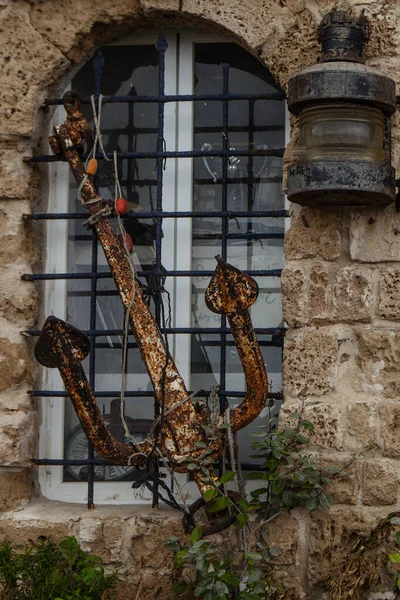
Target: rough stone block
<point>389,413</point>
<point>19,534</point>
<point>292,283</point>
<point>380,483</point>
<point>353,295</point>
<point>313,233</point>
<point>291,42</point>
<point>331,535</point>
<point>379,361</point>
<point>17,437</point>
<point>325,417</point>
<point>18,299</point>
<point>319,294</point>
<point>344,486</point>
<point>389,294</point>
<point>14,364</point>
<point>20,180</point>
<point>77,27</point>
<point>375,235</point>
<point>16,237</point>
<point>16,488</point>
<point>361,425</point>
<point>283,532</point>
<point>310,362</point>
<point>28,63</point>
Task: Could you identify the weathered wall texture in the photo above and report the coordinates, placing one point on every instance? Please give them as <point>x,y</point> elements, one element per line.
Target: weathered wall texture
<point>341,286</point>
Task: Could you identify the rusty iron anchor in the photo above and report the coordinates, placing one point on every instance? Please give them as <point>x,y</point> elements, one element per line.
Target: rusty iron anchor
<point>230,292</point>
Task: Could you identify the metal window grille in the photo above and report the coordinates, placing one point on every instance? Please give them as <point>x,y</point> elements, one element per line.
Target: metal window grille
<point>157,216</point>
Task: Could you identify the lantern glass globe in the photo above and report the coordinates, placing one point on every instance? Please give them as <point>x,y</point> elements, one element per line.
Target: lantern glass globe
<point>341,132</point>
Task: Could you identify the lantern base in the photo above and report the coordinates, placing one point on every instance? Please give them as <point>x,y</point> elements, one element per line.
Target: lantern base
<point>341,183</point>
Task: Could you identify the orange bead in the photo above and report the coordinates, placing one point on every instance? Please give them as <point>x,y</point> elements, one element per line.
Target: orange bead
<point>121,205</point>
<point>128,245</point>
<point>92,166</point>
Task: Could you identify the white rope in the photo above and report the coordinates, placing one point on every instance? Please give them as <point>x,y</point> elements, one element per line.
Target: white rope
<point>118,194</point>
<point>98,138</point>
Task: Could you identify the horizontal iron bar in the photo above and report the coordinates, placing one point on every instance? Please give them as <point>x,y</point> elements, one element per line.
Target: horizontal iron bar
<point>51,276</point>
<point>144,394</point>
<point>176,98</point>
<point>211,330</point>
<point>274,343</point>
<point>165,154</point>
<point>200,214</point>
<point>65,462</point>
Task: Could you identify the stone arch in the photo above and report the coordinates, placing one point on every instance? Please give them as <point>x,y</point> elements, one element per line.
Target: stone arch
<point>51,38</point>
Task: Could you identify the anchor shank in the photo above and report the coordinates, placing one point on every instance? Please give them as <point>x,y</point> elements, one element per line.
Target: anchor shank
<point>181,428</point>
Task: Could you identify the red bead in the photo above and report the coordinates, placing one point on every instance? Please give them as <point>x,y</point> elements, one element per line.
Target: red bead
<point>121,205</point>
<point>128,245</point>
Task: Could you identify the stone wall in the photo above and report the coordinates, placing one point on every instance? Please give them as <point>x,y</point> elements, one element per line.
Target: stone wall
<point>340,287</point>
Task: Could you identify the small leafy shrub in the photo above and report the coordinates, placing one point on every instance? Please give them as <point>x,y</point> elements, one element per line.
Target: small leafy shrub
<point>51,571</point>
<point>289,477</point>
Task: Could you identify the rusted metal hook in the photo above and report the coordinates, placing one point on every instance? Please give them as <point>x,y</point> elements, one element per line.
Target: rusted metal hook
<point>231,293</point>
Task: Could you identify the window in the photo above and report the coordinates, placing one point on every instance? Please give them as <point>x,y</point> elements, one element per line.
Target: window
<point>213,202</point>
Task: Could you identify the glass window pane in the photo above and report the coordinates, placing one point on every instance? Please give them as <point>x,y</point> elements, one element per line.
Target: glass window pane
<point>245,184</point>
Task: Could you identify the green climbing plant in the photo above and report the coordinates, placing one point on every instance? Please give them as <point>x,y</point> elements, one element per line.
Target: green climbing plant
<point>50,571</point>
<point>289,476</point>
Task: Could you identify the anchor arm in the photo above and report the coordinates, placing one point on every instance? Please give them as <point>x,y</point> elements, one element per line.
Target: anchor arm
<point>62,346</point>
<point>232,292</point>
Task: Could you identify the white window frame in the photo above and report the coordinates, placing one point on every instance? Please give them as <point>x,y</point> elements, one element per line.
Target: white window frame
<point>179,136</point>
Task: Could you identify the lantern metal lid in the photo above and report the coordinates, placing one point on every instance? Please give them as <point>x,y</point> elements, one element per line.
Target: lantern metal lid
<point>343,156</point>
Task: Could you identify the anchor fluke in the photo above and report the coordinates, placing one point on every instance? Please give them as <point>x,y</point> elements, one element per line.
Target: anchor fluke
<point>48,351</point>
<point>230,290</point>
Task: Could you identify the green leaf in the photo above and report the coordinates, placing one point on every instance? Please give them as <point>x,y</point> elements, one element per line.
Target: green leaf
<point>254,576</point>
<point>230,578</point>
<point>220,504</point>
<point>395,521</point>
<point>395,558</point>
<point>192,467</point>
<point>210,494</point>
<point>228,476</point>
<point>278,486</point>
<point>195,536</point>
<point>274,550</point>
<point>222,589</point>
<point>325,501</point>
<point>287,497</point>
<point>312,503</point>
<point>253,556</point>
<point>241,520</point>
<point>201,588</point>
<point>397,537</point>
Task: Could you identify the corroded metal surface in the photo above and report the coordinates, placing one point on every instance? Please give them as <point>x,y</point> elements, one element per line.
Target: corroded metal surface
<point>62,346</point>
<point>231,293</point>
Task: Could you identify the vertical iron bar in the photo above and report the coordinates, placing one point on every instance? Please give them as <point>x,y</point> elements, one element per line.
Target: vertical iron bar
<point>224,223</point>
<point>98,66</point>
<point>161,47</point>
<point>250,183</point>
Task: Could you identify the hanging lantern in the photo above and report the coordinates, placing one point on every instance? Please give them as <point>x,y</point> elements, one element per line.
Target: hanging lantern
<point>343,155</point>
